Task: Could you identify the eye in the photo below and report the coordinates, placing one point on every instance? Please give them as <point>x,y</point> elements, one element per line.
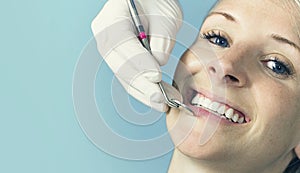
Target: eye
<point>216,38</point>
<point>279,68</point>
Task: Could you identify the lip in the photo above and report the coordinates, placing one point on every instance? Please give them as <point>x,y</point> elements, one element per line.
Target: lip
<point>191,93</point>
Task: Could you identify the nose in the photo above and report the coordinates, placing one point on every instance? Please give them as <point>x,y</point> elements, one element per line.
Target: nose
<point>228,69</point>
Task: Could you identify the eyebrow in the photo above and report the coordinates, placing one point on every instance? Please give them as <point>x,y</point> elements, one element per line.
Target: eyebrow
<point>274,36</point>
<point>226,15</point>
<point>285,40</point>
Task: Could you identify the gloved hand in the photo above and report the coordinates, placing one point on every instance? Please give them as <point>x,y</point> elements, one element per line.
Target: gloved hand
<point>136,69</point>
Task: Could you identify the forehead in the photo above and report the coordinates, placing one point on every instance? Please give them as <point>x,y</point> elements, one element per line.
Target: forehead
<point>285,4</point>
<point>275,7</point>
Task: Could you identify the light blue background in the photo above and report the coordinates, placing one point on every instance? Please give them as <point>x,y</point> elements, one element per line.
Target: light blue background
<point>41,42</point>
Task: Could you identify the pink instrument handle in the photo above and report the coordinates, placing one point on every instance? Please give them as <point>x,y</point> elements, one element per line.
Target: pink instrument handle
<point>142,35</point>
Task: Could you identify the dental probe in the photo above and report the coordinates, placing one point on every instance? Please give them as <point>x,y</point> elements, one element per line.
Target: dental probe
<point>145,42</point>
<point>138,25</point>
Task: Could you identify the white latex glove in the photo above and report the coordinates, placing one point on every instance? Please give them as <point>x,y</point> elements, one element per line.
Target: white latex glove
<point>136,69</point>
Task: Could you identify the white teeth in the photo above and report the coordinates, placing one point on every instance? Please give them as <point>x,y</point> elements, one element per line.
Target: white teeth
<point>214,106</point>
<point>201,100</point>
<point>241,120</point>
<point>196,99</point>
<point>221,110</point>
<point>229,113</point>
<point>235,118</point>
<point>206,102</point>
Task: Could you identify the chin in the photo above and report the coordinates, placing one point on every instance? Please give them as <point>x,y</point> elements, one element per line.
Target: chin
<point>191,143</point>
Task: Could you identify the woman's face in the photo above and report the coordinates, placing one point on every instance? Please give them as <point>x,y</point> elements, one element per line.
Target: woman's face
<point>256,73</point>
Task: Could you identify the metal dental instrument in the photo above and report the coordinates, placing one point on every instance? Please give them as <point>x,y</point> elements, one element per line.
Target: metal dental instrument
<point>145,42</point>
<point>138,24</point>
<point>173,102</point>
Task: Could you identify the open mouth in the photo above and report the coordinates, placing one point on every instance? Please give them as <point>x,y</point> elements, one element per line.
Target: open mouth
<point>200,101</point>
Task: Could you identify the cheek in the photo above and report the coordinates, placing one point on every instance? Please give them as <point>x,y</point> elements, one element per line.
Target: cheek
<point>276,102</point>
<point>186,68</point>
<point>191,62</point>
<point>277,108</point>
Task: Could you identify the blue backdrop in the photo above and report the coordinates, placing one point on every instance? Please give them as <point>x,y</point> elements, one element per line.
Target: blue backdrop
<point>41,42</point>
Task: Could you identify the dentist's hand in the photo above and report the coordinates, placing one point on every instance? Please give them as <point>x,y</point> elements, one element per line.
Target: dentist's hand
<point>136,69</point>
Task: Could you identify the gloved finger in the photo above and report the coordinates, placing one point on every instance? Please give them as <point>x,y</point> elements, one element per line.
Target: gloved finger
<point>112,12</point>
<point>131,59</point>
<point>131,72</point>
<point>146,92</point>
<point>162,36</point>
<point>165,19</point>
<point>114,25</point>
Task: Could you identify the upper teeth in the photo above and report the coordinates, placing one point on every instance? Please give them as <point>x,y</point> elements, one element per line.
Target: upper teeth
<point>219,108</point>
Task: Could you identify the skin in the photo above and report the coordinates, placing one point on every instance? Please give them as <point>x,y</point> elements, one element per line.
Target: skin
<point>242,76</point>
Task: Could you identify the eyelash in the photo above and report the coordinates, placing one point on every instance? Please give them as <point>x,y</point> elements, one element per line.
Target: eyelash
<point>216,38</point>
<point>273,62</point>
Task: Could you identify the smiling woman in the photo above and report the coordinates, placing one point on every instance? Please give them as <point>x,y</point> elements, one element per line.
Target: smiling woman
<point>248,86</point>
<point>241,78</point>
